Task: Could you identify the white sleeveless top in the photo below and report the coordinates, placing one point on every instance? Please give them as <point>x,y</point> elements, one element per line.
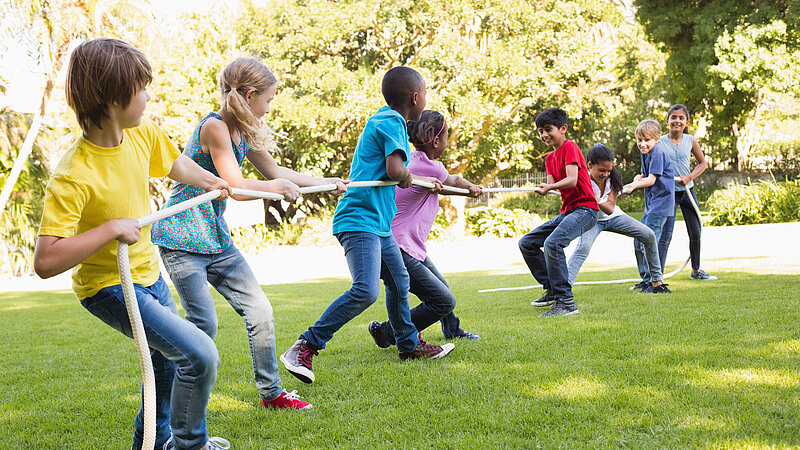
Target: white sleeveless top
<point>602,198</point>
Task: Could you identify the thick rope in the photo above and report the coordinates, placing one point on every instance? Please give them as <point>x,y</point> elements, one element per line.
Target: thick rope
<point>624,280</point>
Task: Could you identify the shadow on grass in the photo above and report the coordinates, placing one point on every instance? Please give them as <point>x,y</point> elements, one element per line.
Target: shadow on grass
<point>713,364</point>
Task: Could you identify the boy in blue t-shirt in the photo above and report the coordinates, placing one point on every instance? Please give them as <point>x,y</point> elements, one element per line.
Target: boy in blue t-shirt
<point>362,224</point>
<point>658,180</point>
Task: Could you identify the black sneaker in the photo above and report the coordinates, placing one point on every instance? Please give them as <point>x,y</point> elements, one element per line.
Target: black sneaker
<point>377,331</point>
<point>640,286</point>
<point>546,300</point>
<point>660,289</point>
<point>562,307</point>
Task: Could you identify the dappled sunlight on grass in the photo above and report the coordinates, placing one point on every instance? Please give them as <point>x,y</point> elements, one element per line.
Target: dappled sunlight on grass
<point>721,378</point>
<point>696,422</point>
<point>574,388</point>
<point>784,348</point>
<point>223,403</point>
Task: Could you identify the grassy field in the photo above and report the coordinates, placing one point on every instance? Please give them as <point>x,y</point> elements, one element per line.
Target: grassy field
<point>716,364</point>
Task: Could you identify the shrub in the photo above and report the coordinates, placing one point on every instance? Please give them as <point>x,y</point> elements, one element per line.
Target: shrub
<point>760,202</point>
<point>543,205</point>
<point>501,222</point>
<point>250,239</point>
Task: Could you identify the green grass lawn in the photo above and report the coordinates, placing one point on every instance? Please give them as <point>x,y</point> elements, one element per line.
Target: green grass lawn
<point>715,364</point>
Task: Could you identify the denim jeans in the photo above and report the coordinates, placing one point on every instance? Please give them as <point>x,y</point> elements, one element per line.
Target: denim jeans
<point>185,361</point>
<point>656,223</point>
<point>438,301</point>
<point>232,277</point>
<point>626,226</point>
<point>549,267</point>
<point>693,227</point>
<point>370,258</point>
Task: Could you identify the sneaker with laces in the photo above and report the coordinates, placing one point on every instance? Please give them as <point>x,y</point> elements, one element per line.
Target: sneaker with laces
<point>562,307</point>
<point>660,289</point>
<point>287,400</point>
<point>545,300</point>
<point>702,275</point>
<point>378,332</point>
<point>298,360</point>
<point>640,286</point>
<point>216,443</point>
<point>425,350</point>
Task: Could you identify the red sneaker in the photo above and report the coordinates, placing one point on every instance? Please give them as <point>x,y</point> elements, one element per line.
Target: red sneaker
<point>287,400</point>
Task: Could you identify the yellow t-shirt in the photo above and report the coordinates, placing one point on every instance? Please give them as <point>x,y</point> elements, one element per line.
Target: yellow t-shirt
<point>92,185</point>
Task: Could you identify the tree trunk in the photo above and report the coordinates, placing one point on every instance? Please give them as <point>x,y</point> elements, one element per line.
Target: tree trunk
<point>33,131</point>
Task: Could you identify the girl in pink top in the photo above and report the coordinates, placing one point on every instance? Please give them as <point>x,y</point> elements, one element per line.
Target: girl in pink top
<point>417,208</point>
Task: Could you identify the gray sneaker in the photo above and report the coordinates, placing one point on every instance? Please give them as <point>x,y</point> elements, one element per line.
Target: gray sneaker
<point>546,300</point>
<point>562,307</point>
<point>216,443</point>
<point>702,275</point>
<point>298,360</point>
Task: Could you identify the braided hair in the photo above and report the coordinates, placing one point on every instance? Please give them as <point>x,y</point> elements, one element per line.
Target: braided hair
<point>423,131</point>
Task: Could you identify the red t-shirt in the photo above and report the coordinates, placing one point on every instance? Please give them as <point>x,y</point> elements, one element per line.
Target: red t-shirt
<point>556,164</point>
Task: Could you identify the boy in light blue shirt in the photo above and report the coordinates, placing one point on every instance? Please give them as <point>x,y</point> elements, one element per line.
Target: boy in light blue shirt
<point>658,180</point>
<point>362,224</point>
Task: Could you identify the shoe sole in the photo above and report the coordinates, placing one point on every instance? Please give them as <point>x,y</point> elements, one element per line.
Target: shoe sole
<point>300,372</point>
<point>557,315</point>
<point>705,279</point>
<point>446,349</point>
<point>540,304</point>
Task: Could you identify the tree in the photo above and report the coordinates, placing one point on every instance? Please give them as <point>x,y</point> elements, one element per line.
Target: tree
<point>697,35</point>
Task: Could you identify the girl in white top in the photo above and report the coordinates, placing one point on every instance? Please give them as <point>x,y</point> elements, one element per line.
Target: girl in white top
<point>607,183</point>
<point>681,146</point>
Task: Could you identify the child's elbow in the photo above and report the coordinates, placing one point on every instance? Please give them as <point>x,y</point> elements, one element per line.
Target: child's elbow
<point>42,270</point>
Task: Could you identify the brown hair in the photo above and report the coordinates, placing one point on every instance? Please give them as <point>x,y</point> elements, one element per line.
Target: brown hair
<point>101,72</point>
<point>239,77</point>
<point>649,129</point>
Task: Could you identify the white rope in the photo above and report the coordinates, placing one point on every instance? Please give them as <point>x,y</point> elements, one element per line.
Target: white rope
<point>625,280</point>
<point>519,189</point>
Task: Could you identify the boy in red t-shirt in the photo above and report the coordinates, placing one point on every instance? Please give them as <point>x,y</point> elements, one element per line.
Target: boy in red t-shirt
<point>543,248</point>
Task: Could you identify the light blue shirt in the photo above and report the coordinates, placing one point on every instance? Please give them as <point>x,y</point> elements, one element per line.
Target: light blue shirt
<point>660,197</point>
<point>680,154</point>
<point>372,209</point>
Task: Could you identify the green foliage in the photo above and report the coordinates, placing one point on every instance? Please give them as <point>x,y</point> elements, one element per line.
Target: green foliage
<point>723,56</point>
<point>331,57</point>
<point>253,238</point>
<point>501,222</point>
<point>760,202</point>
<point>543,205</point>
<point>20,219</point>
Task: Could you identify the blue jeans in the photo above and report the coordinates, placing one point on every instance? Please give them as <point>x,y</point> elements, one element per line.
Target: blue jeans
<point>185,361</point>
<point>370,258</point>
<point>549,267</point>
<point>693,227</point>
<point>626,226</point>
<point>656,223</point>
<point>232,277</point>
<point>438,301</point>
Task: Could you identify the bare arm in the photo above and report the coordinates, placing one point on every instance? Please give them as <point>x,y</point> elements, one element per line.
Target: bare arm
<point>475,190</point>
<point>639,182</point>
<point>570,181</point>
<point>609,205</point>
<point>189,172</point>
<point>267,166</point>
<point>54,255</point>
<point>701,166</point>
<point>397,170</point>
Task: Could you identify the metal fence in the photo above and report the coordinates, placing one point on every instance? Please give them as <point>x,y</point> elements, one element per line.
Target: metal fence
<point>521,180</point>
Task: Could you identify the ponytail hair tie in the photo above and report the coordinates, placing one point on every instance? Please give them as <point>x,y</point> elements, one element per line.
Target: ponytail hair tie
<point>444,123</point>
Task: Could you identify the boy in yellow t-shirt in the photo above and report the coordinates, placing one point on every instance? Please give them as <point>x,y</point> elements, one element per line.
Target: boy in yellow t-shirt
<point>93,197</point>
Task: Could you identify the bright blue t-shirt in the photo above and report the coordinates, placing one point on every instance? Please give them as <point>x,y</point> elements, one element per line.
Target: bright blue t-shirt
<point>372,209</point>
<point>659,198</point>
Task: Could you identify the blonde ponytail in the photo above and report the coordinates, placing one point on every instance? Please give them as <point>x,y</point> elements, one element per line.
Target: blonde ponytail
<point>239,77</point>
